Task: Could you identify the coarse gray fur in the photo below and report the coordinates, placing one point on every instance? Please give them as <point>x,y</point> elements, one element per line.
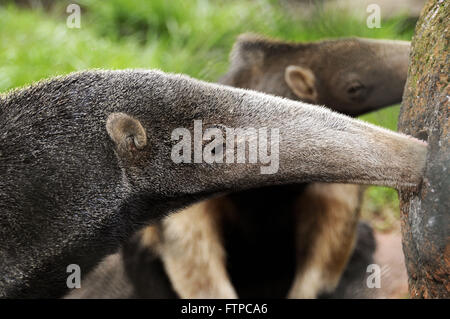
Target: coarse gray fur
<point>67,196</point>
<point>353,75</point>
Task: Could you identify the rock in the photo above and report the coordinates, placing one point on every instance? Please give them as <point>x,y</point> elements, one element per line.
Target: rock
<point>424,114</point>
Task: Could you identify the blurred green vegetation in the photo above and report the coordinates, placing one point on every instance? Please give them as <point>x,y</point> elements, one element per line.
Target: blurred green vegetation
<point>192,37</point>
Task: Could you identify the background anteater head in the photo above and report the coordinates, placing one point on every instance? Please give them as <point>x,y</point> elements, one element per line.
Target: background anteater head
<point>349,75</point>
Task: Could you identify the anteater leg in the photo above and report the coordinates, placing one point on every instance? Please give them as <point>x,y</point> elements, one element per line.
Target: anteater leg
<point>193,253</point>
<point>326,220</point>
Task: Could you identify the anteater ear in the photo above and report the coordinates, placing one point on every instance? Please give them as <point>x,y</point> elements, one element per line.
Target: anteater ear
<point>302,82</point>
<point>126,132</point>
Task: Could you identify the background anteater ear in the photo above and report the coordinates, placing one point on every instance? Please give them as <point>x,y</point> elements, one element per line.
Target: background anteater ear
<point>302,82</point>
<point>126,131</point>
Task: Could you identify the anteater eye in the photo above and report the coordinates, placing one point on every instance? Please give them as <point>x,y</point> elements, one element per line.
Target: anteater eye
<point>356,91</point>
<point>355,88</point>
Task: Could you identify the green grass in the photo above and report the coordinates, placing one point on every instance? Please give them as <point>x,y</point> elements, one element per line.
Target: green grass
<point>192,37</point>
